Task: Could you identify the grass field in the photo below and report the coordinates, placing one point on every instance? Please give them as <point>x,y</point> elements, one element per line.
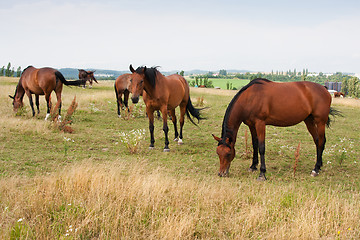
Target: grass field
<point>221,82</point>
<point>87,185</point>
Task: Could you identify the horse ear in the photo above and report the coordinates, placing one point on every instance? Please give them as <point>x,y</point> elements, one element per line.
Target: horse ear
<point>144,69</point>
<point>132,69</point>
<point>11,97</point>
<point>216,138</point>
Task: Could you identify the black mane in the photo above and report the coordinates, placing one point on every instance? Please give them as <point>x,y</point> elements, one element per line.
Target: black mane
<point>225,130</point>
<point>150,74</point>
<point>26,69</point>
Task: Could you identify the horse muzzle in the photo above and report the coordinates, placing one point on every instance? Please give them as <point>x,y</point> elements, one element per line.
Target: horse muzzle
<point>135,99</point>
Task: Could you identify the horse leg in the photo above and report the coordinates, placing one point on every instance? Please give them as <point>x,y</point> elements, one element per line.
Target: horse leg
<point>37,103</point>
<point>182,121</point>
<point>59,103</point>
<point>31,102</point>
<point>173,119</point>
<point>317,132</point>
<point>150,114</point>
<point>118,102</point>
<point>126,99</point>
<point>48,104</point>
<point>165,127</point>
<point>255,144</point>
<point>260,130</point>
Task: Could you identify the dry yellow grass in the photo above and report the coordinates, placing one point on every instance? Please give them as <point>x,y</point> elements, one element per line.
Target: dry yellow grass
<point>123,201</point>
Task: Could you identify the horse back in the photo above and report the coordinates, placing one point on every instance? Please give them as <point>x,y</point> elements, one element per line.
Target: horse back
<point>178,89</point>
<point>39,81</point>
<point>286,104</point>
<point>122,82</point>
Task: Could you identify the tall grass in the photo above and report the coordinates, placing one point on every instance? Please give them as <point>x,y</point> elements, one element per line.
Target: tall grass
<point>121,200</point>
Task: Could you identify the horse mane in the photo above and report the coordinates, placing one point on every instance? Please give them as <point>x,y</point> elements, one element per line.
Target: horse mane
<point>225,128</point>
<point>26,69</point>
<point>150,73</point>
<point>19,83</point>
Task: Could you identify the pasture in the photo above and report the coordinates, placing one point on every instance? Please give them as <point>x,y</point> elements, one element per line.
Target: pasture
<point>88,185</point>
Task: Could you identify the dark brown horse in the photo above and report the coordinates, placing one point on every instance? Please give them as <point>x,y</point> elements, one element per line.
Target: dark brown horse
<point>40,81</point>
<point>262,103</point>
<point>122,87</point>
<point>164,94</point>
<point>87,76</point>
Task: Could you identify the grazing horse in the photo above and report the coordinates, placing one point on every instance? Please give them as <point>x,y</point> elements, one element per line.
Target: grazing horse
<point>87,76</point>
<point>338,94</point>
<point>164,94</point>
<point>263,102</point>
<point>122,87</point>
<point>40,81</point>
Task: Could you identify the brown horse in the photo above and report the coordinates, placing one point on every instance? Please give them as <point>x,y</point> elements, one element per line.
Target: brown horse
<point>122,87</point>
<point>338,94</point>
<point>40,81</point>
<point>164,94</point>
<point>87,76</point>
<point>262,103</point>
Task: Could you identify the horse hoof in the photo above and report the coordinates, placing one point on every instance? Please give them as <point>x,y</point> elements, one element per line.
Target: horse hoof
<point>251,170</point>
<point>180,142</point>
<point>261,178</point>
<point>151,148</point>
<point>314,174</point>
<point>47,116</point>
<point>166,150</point>
<point>176,139</point>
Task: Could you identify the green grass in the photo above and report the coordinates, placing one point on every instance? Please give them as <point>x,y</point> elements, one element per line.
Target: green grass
<point>30,149</point>
<point>222,82</point>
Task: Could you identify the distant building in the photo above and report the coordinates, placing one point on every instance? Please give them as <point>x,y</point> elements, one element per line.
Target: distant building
<point>333,86</point>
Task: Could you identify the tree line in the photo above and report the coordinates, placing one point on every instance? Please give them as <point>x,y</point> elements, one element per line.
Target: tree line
<point>10,71</point>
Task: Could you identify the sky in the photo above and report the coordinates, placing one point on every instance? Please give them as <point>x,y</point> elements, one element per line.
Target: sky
<point>259,35</point>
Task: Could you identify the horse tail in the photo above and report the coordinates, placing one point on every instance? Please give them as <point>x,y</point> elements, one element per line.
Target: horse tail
<point>333,112</point>
<point>195,112</point>
<point>60,77</point>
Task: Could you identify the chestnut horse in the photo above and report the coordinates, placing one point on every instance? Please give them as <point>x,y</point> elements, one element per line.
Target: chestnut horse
<point>40,81</point>
<point>262,103</point>
<point>121,87</point>
<point>164,94</point>
<point>87,76</point>
<point>338,94</point>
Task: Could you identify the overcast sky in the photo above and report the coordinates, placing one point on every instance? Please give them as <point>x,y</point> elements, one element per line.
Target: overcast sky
<point>258,35</point>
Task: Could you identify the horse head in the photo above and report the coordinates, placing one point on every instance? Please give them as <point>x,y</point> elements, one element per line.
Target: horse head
<point>226,153</point>
<point>136,86</point>
<point>90,75</point>
<point>17,102</point>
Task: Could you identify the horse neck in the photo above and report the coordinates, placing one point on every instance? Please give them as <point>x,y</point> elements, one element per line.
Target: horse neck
<point>20,91</point>
<point>154,91</point>
<point>232,124</point>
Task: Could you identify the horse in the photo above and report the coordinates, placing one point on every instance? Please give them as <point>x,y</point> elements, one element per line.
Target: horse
<point>163,93</point>
<point>263,102</point>
<point>40,81</point>
<point>122,87</point>
<point>338,94</point>
<point>87,76</point>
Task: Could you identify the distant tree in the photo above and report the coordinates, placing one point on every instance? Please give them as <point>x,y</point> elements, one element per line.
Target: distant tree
<point>353,86</point>
<point>18,72</point>
<point>2,71</point>
<point>8,71</point>
<point>182,73</point>
<point>12,74</point>
<point>223,72</point>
